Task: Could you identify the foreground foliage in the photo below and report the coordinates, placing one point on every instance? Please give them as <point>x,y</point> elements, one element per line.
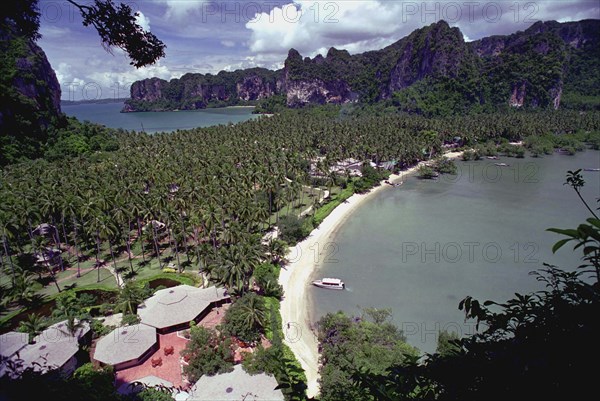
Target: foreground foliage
<point>370,342</point>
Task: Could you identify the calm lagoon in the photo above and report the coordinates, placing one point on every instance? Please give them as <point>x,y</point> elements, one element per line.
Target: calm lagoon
<point>109,114</point>
<point>422,247</point>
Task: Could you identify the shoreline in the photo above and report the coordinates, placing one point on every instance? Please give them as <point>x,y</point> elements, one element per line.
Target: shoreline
<point>294,277</point>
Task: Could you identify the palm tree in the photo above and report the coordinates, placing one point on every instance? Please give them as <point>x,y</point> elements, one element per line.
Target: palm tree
<point>22,290</point>
<point>277,250</point>
<point>5,299</point>
<point>107,231</point>
<point>130,296</point>
<point>73,323</point>
<point>33,325</point>
<point>123,219</point>
<point>254,316</point>
<point>5,235</point>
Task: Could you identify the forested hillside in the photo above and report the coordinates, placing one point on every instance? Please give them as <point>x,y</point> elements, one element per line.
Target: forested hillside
<point>432,71</point>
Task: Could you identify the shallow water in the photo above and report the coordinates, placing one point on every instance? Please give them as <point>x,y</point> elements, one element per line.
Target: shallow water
<point>422,247</point>
<point>109,114</point>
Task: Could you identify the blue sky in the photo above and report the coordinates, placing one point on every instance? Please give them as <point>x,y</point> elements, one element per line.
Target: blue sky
<point>208,36</point>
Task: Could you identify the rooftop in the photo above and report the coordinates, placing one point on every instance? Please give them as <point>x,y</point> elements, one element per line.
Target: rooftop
<point>235,386</point>
<point>125,344</point>
<point>12,342</point>
<point>51,349</point>
<point>59,331</point>
<point>178,305</point>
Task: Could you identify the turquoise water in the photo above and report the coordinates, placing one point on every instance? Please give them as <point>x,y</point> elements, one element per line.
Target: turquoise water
<point>109,115</point>
<point>422,247</point>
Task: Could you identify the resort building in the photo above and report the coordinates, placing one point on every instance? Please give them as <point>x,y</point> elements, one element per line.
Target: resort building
<point>150,352</point>
<point>11,343</point>
<point>52,351</point>
<point>236,385</point>
<point>349,166</point>
<point>127,346</point>
<point>173,309</point>
<point>389,165</point>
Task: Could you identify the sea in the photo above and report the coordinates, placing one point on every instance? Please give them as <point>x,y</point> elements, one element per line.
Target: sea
<point>420,248</point>
<point>109,115</point>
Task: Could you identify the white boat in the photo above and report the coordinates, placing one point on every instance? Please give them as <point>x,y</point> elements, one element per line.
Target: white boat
<point>332,283</point>
<point>591,169</point>
<point>502,164</point>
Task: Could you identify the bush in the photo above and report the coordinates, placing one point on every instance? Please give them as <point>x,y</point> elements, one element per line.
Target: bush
<point>362,186</point>
<point>106,309</point>
<point>472,155</point>
<point>267,276</point>
<point>99,329</point>
<point>97,384</point>
<point>85,299</point>
<point>130,319</point>
<point>245,319</point>
<point>426,172</point>
<point>468,155</point>
<point>262,360</point>
<point>520,152</point>
<point>293,229</point>
<point>151,394</point>
<point>443,165</point>
<point>371,177</point>
<point>207,352</point>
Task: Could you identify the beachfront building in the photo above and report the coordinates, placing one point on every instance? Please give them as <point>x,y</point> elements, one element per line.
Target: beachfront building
<point>388,165</point>
<point>53,351</point>
<point>236,385</point>
<point>172,309</point>
<point>350,166</point>
<point>127,346</point>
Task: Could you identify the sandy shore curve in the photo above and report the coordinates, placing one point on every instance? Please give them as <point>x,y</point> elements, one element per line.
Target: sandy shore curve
<point>294,278</point>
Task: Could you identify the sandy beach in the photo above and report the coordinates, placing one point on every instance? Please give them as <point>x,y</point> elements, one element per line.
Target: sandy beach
<point>295,277</point>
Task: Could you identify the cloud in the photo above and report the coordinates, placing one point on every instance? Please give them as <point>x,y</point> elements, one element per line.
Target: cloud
<point>142,21</point>
<point>311,27</point>
<point>125,77</point>
<point>54,32</point>
<point>178,9</point>
<point>265,61</point>
<point>195,45</point>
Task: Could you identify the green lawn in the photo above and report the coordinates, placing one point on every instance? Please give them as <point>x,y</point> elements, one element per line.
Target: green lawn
<point>88,278</point>
<point>307,197</point>
<point>334,202</point>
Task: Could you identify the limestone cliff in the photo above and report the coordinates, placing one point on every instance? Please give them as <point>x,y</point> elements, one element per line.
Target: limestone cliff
<point>29,95</point>
<point>197,91</point>
<point>533,68</point>
<point>435,51</point>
